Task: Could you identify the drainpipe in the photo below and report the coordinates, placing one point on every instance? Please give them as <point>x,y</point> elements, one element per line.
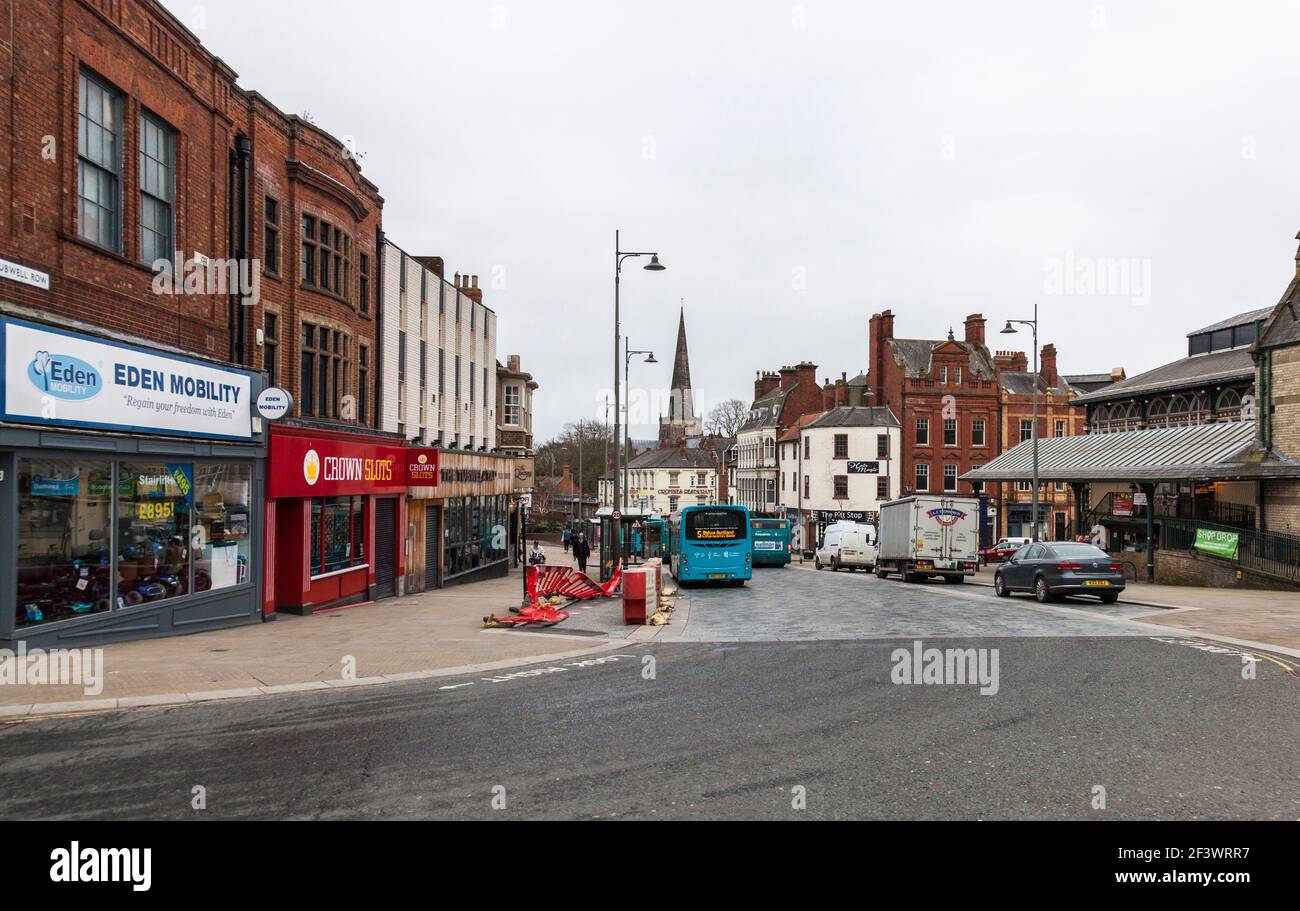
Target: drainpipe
<point>378,368</point>
<point>237,322</point>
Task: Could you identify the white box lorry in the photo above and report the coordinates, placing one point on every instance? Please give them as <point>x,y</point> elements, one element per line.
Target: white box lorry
<point>927,535</point>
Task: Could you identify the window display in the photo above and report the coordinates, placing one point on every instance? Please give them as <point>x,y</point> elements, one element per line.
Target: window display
<point>154,514</point>
<point>475,533</point>
<point>64,525</point>
<point>338,534</point>
<point>222,534</point>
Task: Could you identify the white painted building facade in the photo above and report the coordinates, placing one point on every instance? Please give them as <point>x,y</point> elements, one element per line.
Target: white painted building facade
<point>843,465</point>
<point>439,356</point>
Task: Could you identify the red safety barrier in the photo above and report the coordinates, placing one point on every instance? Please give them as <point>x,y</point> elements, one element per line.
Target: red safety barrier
<point>545,581</point>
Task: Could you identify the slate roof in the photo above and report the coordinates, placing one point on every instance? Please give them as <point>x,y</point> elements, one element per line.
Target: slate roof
<point>1203,451</point>
<point>671,457</point>
<point>1241,319</point>
<point>1187,373</point>
<point>1283,327</point>
<point>857,416</point>
<point>1023,384</point>
<point>769,404</point>
<point>792,434</point>
<point>915,355</point>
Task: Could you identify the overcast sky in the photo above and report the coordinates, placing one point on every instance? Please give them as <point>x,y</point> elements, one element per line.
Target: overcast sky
<point>801,166</point>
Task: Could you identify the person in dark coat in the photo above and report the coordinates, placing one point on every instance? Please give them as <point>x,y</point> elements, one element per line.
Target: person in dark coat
<point>581,551</point>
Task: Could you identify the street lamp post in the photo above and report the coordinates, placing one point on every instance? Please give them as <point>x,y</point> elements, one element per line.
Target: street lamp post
<point>627,363</point>
<point>1011,330</point>
<point>653,266</point>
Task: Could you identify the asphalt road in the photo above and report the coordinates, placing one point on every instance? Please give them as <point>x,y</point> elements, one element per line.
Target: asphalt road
<point>724,729</point>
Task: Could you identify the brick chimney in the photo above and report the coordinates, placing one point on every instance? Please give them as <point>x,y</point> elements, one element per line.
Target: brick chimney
<point>512,363</point>
<point>1047,365</point>
<point>828,396</point>
<point>433,263</point>
<point>806,373</point>
<point>564,476</point>
<point>469,287</point>
<point>975,329</point>
<point>1011,362</point>
<point>789,376</point>
<point>842,391</point>
<point>1118,374</point>
<point>764,383</point>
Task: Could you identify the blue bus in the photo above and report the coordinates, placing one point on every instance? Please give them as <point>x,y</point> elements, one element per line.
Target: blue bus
<point>712,544</point>
<point>771,541</point>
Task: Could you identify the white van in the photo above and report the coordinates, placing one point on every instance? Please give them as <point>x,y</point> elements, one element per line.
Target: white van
<point>847,546</point>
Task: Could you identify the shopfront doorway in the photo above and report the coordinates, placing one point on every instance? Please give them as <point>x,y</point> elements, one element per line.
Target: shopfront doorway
<point>385,548</point>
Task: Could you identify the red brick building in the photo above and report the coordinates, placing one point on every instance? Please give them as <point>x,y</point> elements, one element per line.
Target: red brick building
<point>155,207</point>
<point>947,397</point>
<point>131,141</point>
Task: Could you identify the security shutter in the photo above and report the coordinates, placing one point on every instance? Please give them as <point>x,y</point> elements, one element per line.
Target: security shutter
<point>385,548</point>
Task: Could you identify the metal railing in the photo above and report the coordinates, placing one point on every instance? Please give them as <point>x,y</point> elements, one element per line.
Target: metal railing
<point>1266,551</point>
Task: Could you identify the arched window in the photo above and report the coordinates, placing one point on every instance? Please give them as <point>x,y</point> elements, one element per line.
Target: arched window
<point>1158,413</point>
<point>1228,406</point>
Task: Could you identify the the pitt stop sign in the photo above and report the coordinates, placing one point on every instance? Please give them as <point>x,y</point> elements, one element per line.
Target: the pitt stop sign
<point>422,467</point>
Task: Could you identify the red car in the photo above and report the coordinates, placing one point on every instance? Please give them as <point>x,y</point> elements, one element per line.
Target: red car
<point>999,552</point>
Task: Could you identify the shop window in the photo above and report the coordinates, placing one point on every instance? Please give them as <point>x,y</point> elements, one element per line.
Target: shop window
<point>154,513</point>
<point>338,534</point>
<point>63,537</point>
<point>222,536</point>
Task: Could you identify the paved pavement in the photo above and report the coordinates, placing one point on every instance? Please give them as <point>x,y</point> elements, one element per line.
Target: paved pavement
<point>431,634</point>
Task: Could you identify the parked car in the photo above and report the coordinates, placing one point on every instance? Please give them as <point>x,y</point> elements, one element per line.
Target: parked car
<point>1061,568</point>
<point>847,546</point>
<point>999,552</point>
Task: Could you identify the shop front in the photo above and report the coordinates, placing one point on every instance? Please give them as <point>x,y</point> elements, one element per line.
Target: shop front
<point>335,514</point>
<point>130,479</point>
<point>459,528</point>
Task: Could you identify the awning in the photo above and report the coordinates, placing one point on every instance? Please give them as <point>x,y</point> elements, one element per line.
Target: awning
<point>1214,452</point>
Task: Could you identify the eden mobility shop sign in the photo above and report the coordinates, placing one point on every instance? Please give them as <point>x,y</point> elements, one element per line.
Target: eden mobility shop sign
<point>61,378</point>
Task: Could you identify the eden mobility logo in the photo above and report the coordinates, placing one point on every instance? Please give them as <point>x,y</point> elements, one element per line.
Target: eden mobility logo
<point>947,517</point>
<point>76,864</point>
<point>311,467</point>
<point>64,376</point>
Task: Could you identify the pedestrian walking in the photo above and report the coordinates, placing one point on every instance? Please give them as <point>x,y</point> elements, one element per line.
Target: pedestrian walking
<point>581,551</point>
<point>565,536</point>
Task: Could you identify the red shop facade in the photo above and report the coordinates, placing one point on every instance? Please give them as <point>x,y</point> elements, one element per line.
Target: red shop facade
<point>335,511</point>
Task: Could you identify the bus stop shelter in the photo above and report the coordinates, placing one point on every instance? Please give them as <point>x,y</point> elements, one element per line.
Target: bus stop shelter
<point>1137,463</point>
<point>622,537</point>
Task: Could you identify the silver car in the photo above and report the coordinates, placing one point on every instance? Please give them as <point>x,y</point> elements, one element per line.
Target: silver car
<point>1061,568</point>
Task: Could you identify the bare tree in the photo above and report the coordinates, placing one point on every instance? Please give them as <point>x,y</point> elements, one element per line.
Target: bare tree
<point>726,418</point>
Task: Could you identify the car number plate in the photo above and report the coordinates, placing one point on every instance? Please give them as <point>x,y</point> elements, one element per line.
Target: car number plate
<point>1096,583</point>
<point>718,576</point>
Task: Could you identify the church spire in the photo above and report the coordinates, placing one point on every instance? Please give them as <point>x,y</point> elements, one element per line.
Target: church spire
<point>682,364</point>
<point>680,424</point>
